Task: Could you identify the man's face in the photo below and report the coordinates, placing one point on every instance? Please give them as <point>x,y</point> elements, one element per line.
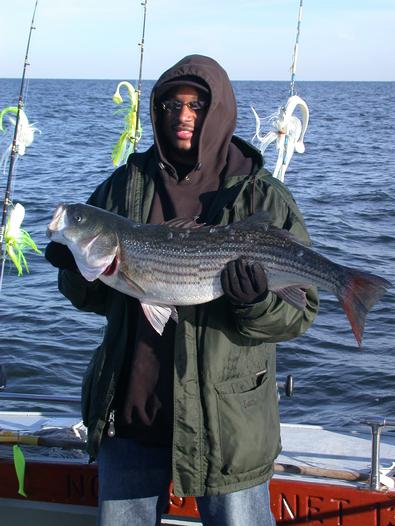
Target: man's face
<point>181,126</point>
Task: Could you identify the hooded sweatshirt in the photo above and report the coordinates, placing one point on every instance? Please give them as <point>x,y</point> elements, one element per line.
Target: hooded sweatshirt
<point>186,191</point>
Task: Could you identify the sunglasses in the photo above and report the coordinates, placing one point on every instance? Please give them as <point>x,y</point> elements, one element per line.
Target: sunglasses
<point>175,105</point>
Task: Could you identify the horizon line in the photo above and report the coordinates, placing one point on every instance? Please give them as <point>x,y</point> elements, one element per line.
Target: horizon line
<point>232,80</point>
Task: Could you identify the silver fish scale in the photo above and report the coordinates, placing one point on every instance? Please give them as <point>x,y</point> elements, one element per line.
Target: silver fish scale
<point>180,270</point>
<point>183,267</point>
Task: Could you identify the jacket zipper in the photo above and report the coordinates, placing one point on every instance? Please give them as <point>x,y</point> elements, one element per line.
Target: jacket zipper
<point>111,424</point>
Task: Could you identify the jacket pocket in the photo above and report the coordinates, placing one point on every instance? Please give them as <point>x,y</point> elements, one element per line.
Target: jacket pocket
<point>248,423</point>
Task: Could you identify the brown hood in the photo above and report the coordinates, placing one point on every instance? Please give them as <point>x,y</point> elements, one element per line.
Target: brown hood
<point>220,120</point>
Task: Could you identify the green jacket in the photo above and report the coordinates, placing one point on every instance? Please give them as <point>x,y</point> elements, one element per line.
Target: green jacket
<point>226,421</point>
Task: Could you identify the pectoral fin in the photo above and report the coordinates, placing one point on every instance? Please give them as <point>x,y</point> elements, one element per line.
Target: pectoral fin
<point>294,296</point>
<point>158,315</point>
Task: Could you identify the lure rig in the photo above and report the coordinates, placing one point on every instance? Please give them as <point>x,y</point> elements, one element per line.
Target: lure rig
<point>127,143</point>
<point>17,240</point>
<point>14,241</point>
<point>129,138</point>
<point>287,130</point>
<point>25,135</point>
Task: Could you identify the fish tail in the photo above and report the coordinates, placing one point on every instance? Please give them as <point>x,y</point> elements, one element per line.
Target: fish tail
<point>357,295</point>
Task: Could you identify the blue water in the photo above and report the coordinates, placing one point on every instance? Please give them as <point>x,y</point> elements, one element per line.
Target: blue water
<point>344,185</point>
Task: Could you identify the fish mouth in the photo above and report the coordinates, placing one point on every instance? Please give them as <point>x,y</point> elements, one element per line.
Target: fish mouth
<point>57,222</point>
<point>111,268</point>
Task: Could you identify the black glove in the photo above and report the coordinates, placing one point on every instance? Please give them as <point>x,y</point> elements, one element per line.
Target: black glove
<point>243,282</point>
<point>60,256</point>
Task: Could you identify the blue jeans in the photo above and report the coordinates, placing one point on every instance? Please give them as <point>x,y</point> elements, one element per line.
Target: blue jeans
<point>134,485</point>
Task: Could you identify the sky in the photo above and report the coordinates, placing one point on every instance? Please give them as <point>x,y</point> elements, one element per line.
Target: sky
<point>251,39</point>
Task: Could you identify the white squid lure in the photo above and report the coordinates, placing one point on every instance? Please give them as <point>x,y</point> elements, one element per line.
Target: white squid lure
<point>25,133</point>
<point>288,132</point>
<point>18,240</point>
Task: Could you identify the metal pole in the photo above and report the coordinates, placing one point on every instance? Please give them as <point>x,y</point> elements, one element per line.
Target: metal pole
<point>375,469</point>
<point>377,425</point>
<point>39,398</point>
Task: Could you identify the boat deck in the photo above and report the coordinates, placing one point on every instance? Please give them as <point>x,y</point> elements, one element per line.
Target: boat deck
<point>309,485</point>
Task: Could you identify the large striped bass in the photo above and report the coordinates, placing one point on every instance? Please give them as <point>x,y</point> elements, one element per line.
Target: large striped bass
<point>180,262</point>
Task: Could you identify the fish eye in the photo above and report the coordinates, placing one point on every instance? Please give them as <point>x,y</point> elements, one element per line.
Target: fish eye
<point>78,219</point>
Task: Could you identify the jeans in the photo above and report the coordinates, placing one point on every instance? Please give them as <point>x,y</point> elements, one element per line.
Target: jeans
<point>134,491</point>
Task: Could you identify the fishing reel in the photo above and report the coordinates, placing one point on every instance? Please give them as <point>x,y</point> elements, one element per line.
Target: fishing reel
<point>3,378</point>
<point>286,388</point>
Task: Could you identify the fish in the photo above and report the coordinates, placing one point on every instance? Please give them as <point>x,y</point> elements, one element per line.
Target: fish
<point>179,262</point>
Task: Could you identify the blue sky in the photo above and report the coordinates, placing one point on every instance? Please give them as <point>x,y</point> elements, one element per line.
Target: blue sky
<point>253,40</point>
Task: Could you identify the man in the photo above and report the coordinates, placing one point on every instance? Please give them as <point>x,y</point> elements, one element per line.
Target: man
<point>198,404</point>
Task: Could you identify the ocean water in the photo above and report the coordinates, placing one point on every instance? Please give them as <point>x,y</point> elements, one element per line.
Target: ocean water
<point>344,184</point>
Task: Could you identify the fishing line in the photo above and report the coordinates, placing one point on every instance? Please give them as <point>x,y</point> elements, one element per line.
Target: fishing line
<point>7,201</point>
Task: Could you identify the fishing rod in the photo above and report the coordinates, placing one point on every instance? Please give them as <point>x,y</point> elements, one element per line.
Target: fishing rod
<point>14,151</point>
<point>295,52</point>
<point>139,83</point>
<point>15,146</point>
<point>20,438</point>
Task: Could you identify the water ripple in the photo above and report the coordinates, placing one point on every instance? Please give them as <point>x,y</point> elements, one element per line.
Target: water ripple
<point>343,184</point>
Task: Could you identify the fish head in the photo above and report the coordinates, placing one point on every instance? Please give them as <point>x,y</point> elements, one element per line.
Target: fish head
<point>86,231</point>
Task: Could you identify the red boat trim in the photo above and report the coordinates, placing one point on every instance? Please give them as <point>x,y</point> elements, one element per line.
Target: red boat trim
<point>293,502</point>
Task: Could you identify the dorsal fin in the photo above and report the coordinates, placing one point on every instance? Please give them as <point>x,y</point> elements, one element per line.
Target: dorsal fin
<point>259,220</point>
<point>183,222</point>
<point>263,220</point>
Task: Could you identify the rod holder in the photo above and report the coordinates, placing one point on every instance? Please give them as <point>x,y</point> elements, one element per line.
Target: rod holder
<point>287,386</point>
<point>3,377</point>
<point>376,424</point>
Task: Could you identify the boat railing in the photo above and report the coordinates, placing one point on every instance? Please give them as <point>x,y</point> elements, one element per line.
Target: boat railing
<point>40,398</point>
<point>376,424</point>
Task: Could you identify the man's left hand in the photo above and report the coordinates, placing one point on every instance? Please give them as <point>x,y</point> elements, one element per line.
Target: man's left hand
<point>243,282</point>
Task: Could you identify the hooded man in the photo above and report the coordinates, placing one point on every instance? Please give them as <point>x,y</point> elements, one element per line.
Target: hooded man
<point>197,405</point>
